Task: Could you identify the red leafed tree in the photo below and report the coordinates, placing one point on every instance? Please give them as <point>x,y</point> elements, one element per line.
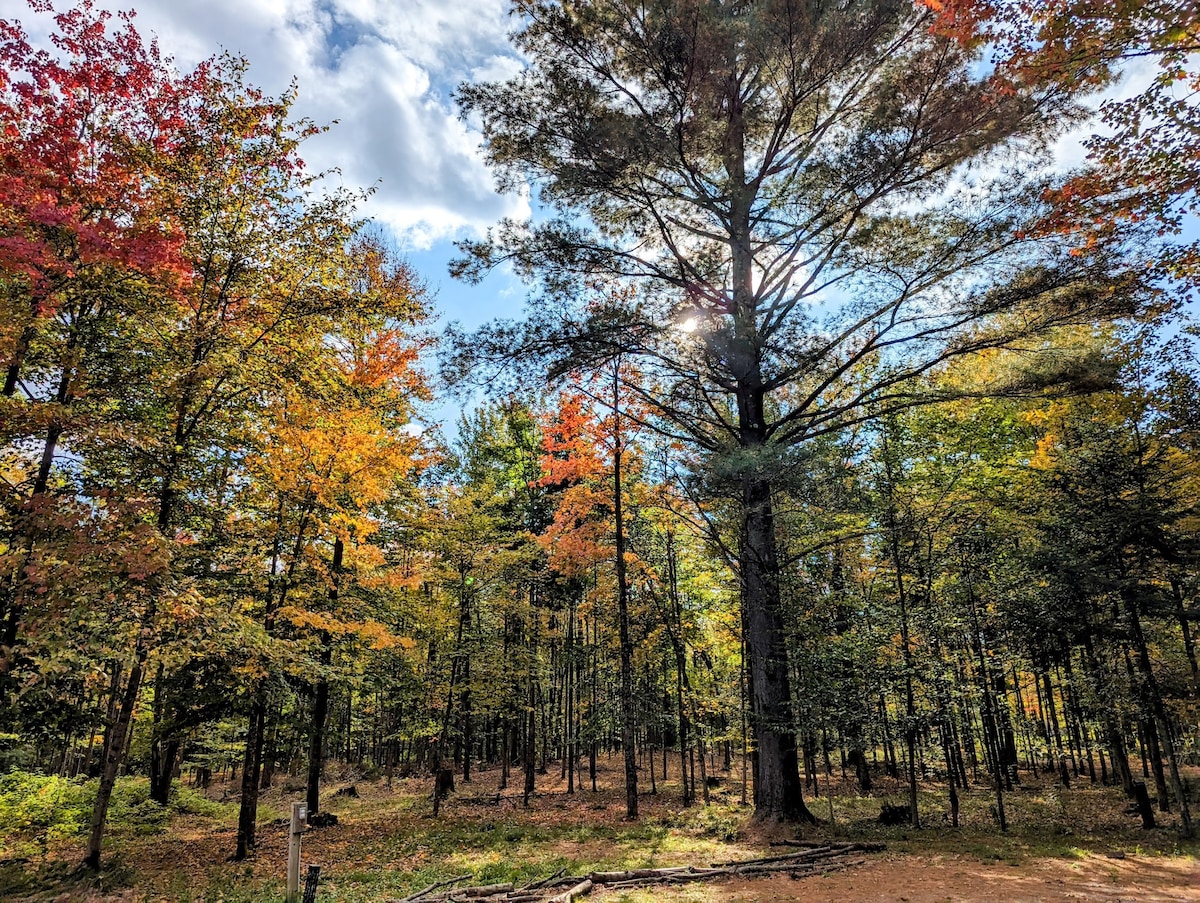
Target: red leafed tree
<point>578,439</point>
<point>573,464</point>
<point>84,215</point>
<point>80,130</point>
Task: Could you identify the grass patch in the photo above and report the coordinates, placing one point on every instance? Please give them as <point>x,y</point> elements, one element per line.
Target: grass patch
<point>387,844</point>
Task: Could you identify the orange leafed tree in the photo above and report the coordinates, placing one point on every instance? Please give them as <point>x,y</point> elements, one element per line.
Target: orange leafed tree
<point>1145,156</point>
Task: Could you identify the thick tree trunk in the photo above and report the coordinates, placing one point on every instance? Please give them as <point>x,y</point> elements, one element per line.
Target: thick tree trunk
<point>777,789</point>
<point>251,764</point>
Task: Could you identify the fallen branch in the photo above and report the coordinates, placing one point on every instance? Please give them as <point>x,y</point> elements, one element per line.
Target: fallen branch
<point>678,878</point>
<point>545,881</point>
<point>809,860</point>
<point>473,893</point>
<point>813,853</point>
<point>431,888</point>
<point>564,880</point>
<point>614,877</point>
<point>569,895</point>
<point>806,855</point>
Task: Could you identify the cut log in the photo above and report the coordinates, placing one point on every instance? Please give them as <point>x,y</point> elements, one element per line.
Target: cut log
<point>632,874</point>
<point>572,893</point>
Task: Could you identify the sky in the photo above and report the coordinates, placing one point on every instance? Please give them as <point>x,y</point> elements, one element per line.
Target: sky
<point>385,71</point>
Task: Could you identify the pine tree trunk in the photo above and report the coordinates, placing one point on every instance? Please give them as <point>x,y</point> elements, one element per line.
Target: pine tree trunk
<point>777,789</point>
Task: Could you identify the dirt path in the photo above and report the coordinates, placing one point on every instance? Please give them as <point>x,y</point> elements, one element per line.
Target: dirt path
<point>919,879</point>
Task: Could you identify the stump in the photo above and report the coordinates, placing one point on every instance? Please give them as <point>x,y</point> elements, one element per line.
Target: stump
<point>894,815</point>
<point>1141,798</point>
<point>310,883</point>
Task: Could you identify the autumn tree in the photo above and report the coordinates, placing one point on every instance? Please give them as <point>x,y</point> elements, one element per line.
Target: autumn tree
<point>589,426</point>
<point>1143,173</point>
<point>795,190</point>
<point>87,237</point>
<point>332,457</point>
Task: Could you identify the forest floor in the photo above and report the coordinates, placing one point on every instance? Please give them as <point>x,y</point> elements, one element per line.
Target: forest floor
<point>1062,845</point>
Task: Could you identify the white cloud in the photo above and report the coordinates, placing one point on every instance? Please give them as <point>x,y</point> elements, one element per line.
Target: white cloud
<point>385,70</point>
<point>1070,151</point>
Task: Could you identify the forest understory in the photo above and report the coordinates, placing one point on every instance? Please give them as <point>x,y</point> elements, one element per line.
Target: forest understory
<point>1081,843</point>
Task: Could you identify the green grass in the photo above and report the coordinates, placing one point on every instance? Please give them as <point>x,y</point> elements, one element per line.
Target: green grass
<point>388,845</point>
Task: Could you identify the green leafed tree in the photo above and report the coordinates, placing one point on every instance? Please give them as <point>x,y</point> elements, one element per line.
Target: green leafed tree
<point>815,201</point>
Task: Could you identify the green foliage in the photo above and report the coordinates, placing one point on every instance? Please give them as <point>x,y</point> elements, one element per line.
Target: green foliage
<point>38,809</point>
<point>46,804</point>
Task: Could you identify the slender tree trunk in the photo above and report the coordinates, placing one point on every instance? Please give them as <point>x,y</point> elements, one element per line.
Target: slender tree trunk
<point>529,752</point>
<point>1185,628</point>
<point>162,750</point>
<point>316,737</point>
<point>12,610</point>
<point>270,749</point>
<point>1161,724</point>
<point>1118,752</point>
<point>114,754</point>
<point>320,710</point>
<point>910,730</point>
<point>628,711</point>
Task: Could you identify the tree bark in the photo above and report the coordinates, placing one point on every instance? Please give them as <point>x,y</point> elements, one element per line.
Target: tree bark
<point>251,762</point>
<point>320,710</point>
<point>114,754</point>
<point>316,737</point>
<point>628,712</point>
<point>778,792</point>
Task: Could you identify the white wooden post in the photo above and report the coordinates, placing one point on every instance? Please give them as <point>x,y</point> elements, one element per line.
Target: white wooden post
<point>299,819</point>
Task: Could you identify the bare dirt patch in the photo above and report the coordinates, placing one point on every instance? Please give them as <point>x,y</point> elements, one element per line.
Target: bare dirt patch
<point>952,879</point>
